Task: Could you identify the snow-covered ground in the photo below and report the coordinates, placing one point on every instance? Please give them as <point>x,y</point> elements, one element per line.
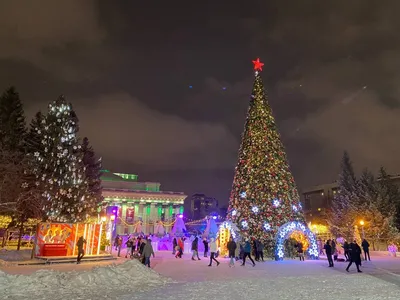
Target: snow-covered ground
<point>106,282</point>
<point>186,279</point>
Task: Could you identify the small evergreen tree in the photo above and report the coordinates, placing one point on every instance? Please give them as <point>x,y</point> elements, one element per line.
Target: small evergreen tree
<point>388,193</point>
<point>343,215</point>
<point>12,121</point>
<point>92,174</point>
<point>58,165</point>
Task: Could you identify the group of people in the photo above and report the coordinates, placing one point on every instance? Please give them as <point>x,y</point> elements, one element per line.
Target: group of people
<point>139,247</point>
<point>235,252</point>
<point>352,253</point>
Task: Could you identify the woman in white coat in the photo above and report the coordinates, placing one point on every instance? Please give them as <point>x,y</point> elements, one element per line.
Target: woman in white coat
<point>213,250</point>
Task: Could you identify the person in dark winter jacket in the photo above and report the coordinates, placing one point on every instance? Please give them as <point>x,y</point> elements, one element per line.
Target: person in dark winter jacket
<point>260,250</point>
<point>355,256</point>
<point>365,246</point>
<point>255,250</point>
<point>247,250</point>
<point>205,242</point>
<point>174,244</point>
<point>142,245</point>
<point>81,251</point>
<point>346,250</point>
<point>195,248</point>
<point>300,251</point>
<point>328,252</point>
<point>148,252</point>
<point>231,245</point>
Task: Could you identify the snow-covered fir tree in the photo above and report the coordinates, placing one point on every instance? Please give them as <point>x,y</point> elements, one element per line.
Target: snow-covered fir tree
<point>343,214</point>
<point>12,121</point>
<point>59,167</point>
<point>92,173</point>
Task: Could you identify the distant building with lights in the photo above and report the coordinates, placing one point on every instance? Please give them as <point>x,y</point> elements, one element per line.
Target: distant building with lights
<point>138,202</point>
<point>202,206</point>
<point>318,199</point>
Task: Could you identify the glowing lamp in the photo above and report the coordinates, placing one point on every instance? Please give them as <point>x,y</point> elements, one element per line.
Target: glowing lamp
<point>214,217</point>
<point>180,216</point>
<point>104,218</point>
<point>112,217</point>
<point>362,223</point>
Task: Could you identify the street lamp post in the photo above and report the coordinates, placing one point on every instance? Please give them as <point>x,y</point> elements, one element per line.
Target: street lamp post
<point>362,228</point>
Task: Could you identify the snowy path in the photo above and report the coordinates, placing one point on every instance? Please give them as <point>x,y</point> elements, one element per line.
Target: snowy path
<point>275,280</point>
<point>195,280</point>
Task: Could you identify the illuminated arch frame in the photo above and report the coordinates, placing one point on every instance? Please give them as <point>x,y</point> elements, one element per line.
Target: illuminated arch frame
<point>233,230</point>
<point>286,230</point>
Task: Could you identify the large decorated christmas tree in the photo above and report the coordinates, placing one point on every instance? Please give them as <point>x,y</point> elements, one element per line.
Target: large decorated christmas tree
<point>264,195</point>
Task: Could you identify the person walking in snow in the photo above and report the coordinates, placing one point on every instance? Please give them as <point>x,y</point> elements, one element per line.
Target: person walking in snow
<point>355,256</point>
<point>255,249</point>
<point>300,251</point>
<point>81,251</point>
<point>260,250</point>
<point>231,245</point>
<point>148,252</point>
<point>328,252</point>
<point>179,248</point>
<point>195,248</point>
<point>346,250</point>
<point>247,251</point>
<point>213,250</point>
<point>205,242</point>
<point>118,244</point>
<point>128,247</point>
<point>174,245</point>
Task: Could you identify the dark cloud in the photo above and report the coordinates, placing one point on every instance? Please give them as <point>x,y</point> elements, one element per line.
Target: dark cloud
<point>122,127</point>
<point>331,74</point>
<point>50,34</point>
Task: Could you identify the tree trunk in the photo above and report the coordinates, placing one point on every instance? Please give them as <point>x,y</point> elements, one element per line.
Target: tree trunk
<point>21,230</point>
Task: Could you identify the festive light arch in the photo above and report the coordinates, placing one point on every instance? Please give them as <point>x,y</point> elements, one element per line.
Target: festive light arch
<point>286,230</point>
<point>233,230</point>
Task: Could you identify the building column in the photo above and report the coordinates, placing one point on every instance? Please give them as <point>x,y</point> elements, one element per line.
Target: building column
<point>153,217</point>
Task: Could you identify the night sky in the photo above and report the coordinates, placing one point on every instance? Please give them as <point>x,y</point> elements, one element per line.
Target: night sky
<point>332,73</point>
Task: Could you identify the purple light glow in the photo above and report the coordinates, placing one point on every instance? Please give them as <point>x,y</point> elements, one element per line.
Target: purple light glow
<point>180,216</point>
<point>214,217</point>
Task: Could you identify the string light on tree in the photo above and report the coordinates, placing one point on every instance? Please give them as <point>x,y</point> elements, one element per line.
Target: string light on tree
<point>243,195</point>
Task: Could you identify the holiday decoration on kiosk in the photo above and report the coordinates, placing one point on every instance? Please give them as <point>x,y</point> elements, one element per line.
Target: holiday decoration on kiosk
<point>264,196</point>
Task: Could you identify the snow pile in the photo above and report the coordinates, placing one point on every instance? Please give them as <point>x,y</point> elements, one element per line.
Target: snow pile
<point>14,255</point>
<point>100,282</point>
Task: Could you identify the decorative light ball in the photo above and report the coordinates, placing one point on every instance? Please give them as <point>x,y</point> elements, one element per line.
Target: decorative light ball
<point>255,209</point>
<point>276,202</point>
<point>243,195</point>
<point>234,212</point>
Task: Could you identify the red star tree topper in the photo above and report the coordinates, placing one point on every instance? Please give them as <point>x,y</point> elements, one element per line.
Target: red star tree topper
<point>258,65</point>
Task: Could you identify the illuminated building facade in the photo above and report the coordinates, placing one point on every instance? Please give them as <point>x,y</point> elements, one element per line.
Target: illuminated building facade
<point>137,203</point>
